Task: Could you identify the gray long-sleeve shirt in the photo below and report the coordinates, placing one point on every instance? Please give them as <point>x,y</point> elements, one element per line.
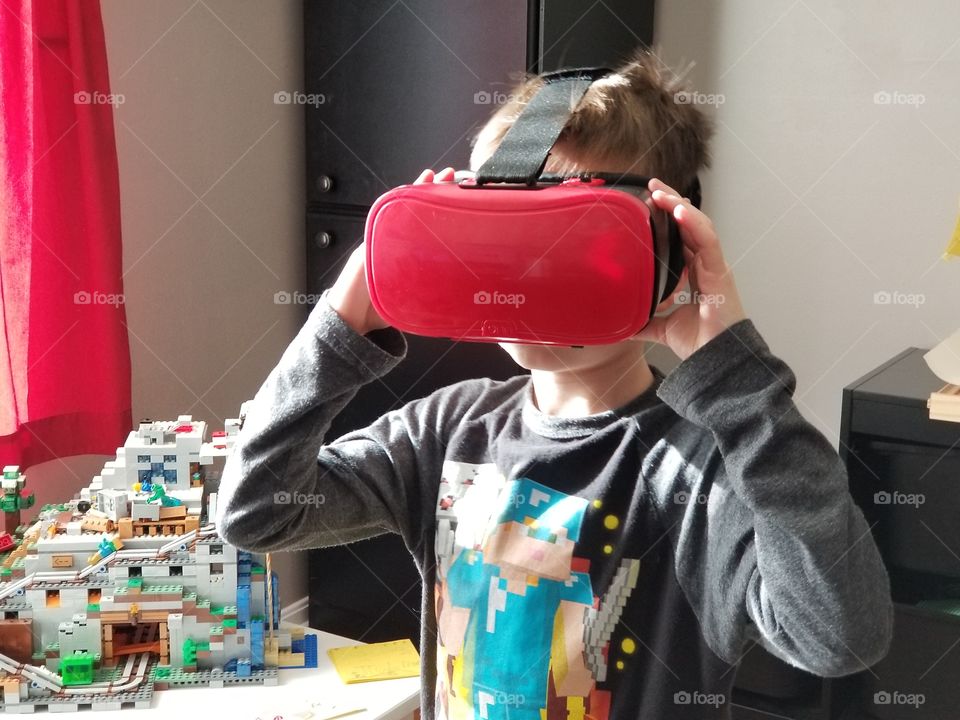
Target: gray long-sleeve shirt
<point>611,565</point>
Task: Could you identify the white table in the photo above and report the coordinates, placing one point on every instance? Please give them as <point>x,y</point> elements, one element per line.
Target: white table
<point>297,689</point>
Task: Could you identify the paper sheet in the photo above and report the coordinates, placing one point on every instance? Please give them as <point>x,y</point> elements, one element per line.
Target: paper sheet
<point>376,661</point>
<point>944,359</point>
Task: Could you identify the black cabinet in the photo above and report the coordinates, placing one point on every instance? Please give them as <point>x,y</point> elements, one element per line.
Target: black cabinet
<point>568,34</point>
<point>404,86</point>
<point>331,237</point>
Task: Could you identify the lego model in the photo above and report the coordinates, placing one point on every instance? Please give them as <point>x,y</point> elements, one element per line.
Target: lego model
<point>128,588</point>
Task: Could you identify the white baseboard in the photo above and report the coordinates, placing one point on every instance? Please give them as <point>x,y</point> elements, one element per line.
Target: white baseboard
<point>297,612</point>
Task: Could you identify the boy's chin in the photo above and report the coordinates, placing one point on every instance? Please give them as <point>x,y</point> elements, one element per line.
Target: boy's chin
<point>556,358</point>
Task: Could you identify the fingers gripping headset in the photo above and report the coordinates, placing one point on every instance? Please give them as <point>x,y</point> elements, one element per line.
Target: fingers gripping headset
<point>516,255</point>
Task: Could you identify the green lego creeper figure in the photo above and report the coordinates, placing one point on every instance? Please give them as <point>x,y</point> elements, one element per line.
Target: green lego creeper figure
<point>15,497</point>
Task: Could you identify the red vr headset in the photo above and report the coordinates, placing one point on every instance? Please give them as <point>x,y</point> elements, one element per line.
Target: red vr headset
<point>514,255</point>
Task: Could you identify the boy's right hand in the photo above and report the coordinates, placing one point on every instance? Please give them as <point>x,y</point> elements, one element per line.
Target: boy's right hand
<point>349,296</point>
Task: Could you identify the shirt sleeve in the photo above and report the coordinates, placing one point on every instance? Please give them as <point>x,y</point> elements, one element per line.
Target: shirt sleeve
<point>284,489</point>
<point>768,533</point>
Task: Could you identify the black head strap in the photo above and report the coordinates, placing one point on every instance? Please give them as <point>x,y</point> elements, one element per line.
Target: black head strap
<point>523,152</point>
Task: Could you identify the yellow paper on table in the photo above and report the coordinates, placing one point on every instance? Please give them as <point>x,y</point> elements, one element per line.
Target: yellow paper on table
<point>376,661</point>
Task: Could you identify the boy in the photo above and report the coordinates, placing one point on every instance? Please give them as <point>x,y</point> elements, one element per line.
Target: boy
<point>595,539</point>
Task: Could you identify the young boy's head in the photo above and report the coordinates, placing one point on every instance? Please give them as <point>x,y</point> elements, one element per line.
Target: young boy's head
<point>636,121</point>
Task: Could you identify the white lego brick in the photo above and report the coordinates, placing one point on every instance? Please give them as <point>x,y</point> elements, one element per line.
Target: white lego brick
<point>68,543</point>
<point>161,605</point>
<point>144,511</point>
<point>74,527</point>
<point>119,573</point>
<point>73,598</point>
<point>156,571</point>
<point>106,704</point>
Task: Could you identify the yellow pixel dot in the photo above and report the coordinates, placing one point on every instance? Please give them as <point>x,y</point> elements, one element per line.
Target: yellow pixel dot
<point>608,549</point>
<point>628,646</point>
<point>611,522</point>
<point>598,504</point>
<point>619,664</point>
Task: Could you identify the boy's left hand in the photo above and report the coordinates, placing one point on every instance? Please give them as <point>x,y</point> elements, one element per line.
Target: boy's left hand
<point>713,303</point>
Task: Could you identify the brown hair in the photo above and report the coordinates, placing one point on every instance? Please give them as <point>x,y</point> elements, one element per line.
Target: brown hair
<point>637,120</point>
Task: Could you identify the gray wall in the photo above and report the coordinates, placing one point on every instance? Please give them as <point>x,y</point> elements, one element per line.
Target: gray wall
<point>822,196</point>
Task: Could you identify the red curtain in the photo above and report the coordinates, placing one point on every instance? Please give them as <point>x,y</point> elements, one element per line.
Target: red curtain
<point>64,357</point>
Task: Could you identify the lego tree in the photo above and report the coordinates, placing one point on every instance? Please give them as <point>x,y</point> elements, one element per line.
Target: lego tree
<point>15,497</point>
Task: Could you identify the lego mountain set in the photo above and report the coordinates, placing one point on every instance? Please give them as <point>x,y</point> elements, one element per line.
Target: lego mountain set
<point>128,588</point>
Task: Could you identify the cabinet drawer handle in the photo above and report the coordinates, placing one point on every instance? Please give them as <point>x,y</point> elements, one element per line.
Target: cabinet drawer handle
<point>324,183</point>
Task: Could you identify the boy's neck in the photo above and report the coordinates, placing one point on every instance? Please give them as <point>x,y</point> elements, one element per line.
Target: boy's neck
<point>588,391</point>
